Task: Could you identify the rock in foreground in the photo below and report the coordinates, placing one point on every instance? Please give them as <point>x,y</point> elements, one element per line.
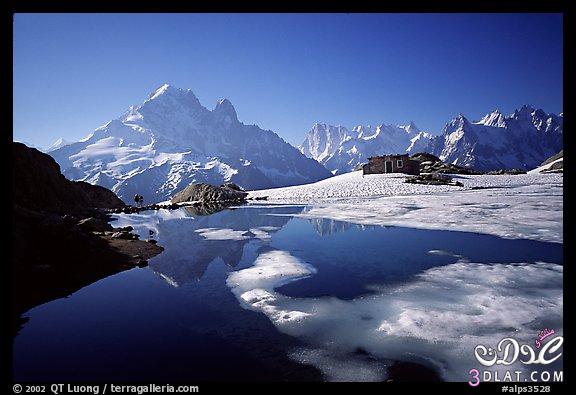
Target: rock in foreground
<point>554,164</point>
<point>39,185</point>
<point>506,172</point>
<point>62,240</point>
<point>206,193</point>
<point>432,164</point>
<point>433,179</point>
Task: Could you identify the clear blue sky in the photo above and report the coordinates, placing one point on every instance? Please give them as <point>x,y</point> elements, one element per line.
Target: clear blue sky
<point>73,73</point>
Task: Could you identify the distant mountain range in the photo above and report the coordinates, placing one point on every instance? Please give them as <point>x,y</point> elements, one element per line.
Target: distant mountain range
<point>521,140</point>
<point>170,140</point>
<point>341,150</point>
<point>160,146</point>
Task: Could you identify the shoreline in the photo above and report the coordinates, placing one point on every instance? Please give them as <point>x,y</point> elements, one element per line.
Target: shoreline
<point>57,255</point>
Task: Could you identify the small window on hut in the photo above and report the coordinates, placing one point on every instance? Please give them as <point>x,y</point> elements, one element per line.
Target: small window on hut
<point>399,163</point>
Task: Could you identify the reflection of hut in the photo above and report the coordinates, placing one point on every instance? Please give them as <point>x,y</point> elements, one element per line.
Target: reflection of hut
<point>391,164</point>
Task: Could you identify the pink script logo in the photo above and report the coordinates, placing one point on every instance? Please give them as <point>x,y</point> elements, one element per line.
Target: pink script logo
<point>543,335</point>
<point>509,350</point>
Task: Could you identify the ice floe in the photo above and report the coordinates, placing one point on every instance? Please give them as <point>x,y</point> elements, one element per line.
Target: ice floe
<point>437,318</point>
<point>254,286</point>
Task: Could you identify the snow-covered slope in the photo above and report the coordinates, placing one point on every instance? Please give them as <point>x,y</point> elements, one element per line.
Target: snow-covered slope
<point>545,167</point>
<point>553,164</point>
<point>521,140</point>
<point>511,206</point>
<point>61,142</point>
<point>354,185</point>
<point>160,146</point>
<point>341,150</point>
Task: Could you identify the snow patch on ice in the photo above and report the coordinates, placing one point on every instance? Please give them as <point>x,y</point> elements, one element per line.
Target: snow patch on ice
<point>254,286</point>
<point>514,206</point>
<point>438,317</point>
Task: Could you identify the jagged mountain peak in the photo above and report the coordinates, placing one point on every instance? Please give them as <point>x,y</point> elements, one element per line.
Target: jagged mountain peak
<point>167,94</point>
<point>61,142</point>
<point>225,110</point>
<point>162,90</point>
<point>411,127</point>
<point>171,140</point>
<point>494,118</point>
<point>167,88</point>
<point>459,122</point>
<point>521,140</point>
<point>523,112</point>
<point>319,125</point>
<point>341,150</point>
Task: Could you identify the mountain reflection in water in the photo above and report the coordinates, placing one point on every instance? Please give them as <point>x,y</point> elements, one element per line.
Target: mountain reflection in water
<point>186,330</point>
<point>188,252</point>
<point>348,256</point>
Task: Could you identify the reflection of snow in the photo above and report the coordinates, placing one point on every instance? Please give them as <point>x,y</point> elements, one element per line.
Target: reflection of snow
<point>222,234</point>
<point>440,316</point>
<point>192,242</point>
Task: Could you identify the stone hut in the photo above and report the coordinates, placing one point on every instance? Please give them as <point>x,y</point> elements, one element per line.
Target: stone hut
<point>391,164</point>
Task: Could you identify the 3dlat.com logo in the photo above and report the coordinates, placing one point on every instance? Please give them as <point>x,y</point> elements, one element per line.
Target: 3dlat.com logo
<point>547,349</point>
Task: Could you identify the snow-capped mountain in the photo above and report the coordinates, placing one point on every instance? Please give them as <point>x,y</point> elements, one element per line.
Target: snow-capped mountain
<point>341,150</point>
<point>159,147</point>
<point>61,142</point>
<point>521,140</point>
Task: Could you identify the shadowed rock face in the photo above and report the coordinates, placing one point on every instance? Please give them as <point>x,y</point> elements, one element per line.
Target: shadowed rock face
<point>553,158</point>
<point>39,185</point>
<point>207,193</point>
<point>62,240</point>
<point>432,164</point>
<point>433,179</point>
<point>556,166</point>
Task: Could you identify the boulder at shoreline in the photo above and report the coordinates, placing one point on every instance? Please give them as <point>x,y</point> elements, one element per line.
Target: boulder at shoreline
<point>206,193</point>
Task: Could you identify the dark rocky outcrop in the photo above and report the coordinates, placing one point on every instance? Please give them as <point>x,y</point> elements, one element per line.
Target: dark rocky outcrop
<point>95,224</point>
<point>206,193</point>
<point>557,167</point>
<point>62,240</point>
<point>134,210</point>
<point>553,158</point>
<point>432,164</point>
<point>433,179</point>
<point>39,185</point>
<point>258,198</point>
<point>506,171</point>
<point>424,157</point>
